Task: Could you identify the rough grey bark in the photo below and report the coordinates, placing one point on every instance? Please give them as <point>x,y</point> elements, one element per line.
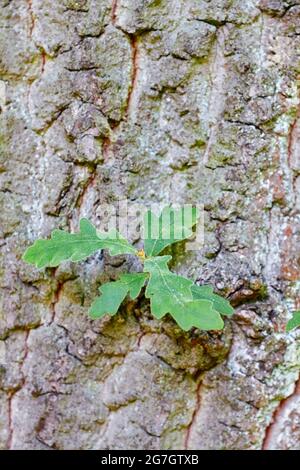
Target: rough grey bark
<point>189,101</point>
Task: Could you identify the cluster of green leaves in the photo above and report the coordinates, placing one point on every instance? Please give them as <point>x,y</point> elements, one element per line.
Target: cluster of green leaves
<point>190,305</point>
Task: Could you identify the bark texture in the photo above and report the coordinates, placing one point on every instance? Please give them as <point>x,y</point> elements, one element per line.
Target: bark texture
<point>186,101</point>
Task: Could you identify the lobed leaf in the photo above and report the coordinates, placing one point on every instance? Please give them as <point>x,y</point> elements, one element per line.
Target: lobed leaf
<point>199,314</point>
<point>113,294</point>
<point>115,243</point>
<point>169,227</point>
<point>64,246</point>
<point>220,304</point>
<point>294,322</point>
<point>170,293</point>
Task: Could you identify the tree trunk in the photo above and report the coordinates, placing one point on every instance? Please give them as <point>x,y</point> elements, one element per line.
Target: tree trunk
<point>150,101</point>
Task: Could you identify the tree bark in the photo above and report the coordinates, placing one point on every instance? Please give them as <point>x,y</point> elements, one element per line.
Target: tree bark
<point>150,101</point>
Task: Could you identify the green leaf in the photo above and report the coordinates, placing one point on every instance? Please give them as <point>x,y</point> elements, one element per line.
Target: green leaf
<point>206,289</point>
<point>134,283</point>
<point>170,227</point>
<point>170,293</point>
<point>115,243</point>
<point>164,287</point>
<point>220,304</point>
<point>75,246</point>
<point>113,294</point>
<point>199,314</point>
<point>294,322</point>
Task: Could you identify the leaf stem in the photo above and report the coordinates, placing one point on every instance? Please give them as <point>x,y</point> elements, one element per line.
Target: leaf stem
<point>141,255</point>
